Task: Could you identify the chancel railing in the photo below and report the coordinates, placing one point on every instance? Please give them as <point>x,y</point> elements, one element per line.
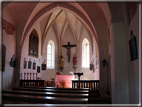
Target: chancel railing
<point>93,85</point>
<point>38,83</point>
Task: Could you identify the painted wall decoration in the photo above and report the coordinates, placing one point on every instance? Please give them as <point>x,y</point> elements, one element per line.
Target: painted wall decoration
<point>133,48</point>
<point>38,69</point>
<point>61,21</point>
<point>131,9</point>
<point>34,65</point>
<point>8,27</point>
<point>33,44</point>
<point>29,64</point>
<point>43,66</point>
<point>25,63</point>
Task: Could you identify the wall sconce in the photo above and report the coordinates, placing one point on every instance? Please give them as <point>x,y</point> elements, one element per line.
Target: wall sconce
<point>104,62</point>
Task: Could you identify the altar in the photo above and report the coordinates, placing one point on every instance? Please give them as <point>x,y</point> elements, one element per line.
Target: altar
<point>64,81</point>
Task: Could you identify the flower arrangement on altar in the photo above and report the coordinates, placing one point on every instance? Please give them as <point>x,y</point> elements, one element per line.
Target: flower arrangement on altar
<point>63,83</point>
<point>58,73</point>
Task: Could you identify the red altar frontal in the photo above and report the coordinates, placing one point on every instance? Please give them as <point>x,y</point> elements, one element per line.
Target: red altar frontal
<point>64,81</point>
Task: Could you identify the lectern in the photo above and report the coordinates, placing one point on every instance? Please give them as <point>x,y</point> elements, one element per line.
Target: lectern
<point>79,74</point>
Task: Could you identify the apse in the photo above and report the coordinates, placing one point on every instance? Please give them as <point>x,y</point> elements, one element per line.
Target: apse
<point>62,27</point>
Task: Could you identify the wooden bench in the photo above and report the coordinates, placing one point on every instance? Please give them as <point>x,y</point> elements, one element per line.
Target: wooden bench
<point>45,95</point>
<point>84,89</point>
<point>43,99</point>
<point>56,90</point>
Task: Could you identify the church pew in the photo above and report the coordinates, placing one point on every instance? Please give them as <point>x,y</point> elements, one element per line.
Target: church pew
<point>43,99</point>
<point>53,90</point>
<point>87,89</point>
<point>47,94</point>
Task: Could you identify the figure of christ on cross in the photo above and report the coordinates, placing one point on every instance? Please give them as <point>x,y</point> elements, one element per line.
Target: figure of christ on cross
<point>68,47</point>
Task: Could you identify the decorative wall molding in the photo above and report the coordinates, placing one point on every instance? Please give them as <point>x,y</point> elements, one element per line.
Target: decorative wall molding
<point>8,27</point>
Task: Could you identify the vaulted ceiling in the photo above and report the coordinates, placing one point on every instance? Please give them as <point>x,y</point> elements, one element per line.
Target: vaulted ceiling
<point>97,17</point>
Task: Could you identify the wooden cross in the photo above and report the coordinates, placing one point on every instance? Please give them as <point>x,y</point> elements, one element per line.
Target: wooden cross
<point>68,47</point>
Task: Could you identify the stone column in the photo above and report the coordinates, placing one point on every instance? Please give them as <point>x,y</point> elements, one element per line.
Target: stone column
<point>119,70</point>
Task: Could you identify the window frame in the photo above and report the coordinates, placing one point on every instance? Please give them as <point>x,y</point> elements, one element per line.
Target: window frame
<point>85,53</point>
<point>52,63</point>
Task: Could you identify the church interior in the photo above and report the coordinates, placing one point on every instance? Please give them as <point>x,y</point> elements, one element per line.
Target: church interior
<point>83,52</point>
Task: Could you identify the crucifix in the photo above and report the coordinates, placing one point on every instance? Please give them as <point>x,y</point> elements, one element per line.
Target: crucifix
<point>68,47</point>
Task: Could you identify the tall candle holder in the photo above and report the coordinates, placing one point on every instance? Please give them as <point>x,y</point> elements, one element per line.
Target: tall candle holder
<point>33,76</point>
<point>27,76</point>
<point>36,76</point>
<point>24,76</point>
<point>30,76</point>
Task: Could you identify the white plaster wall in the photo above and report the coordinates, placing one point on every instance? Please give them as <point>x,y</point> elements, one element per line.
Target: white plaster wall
<point>24,54</point>
<point>10,43</point>
<point>48,74</point>
<point>133,66</point>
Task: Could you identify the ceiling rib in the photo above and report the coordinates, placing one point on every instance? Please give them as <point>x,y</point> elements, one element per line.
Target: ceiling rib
<point>47,29</point>
<point>71,27</point>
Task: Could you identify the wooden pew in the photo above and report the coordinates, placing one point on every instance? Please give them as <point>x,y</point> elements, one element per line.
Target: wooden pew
<point>84,89</point>
<point>43,99</point>
<point>47,94</point>
<point>57,90</point>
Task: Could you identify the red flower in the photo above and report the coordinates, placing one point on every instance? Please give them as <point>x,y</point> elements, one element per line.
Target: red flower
<point>58,73</point>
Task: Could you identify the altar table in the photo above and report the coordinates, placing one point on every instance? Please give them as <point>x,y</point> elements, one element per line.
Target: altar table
<point>67,79</point>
